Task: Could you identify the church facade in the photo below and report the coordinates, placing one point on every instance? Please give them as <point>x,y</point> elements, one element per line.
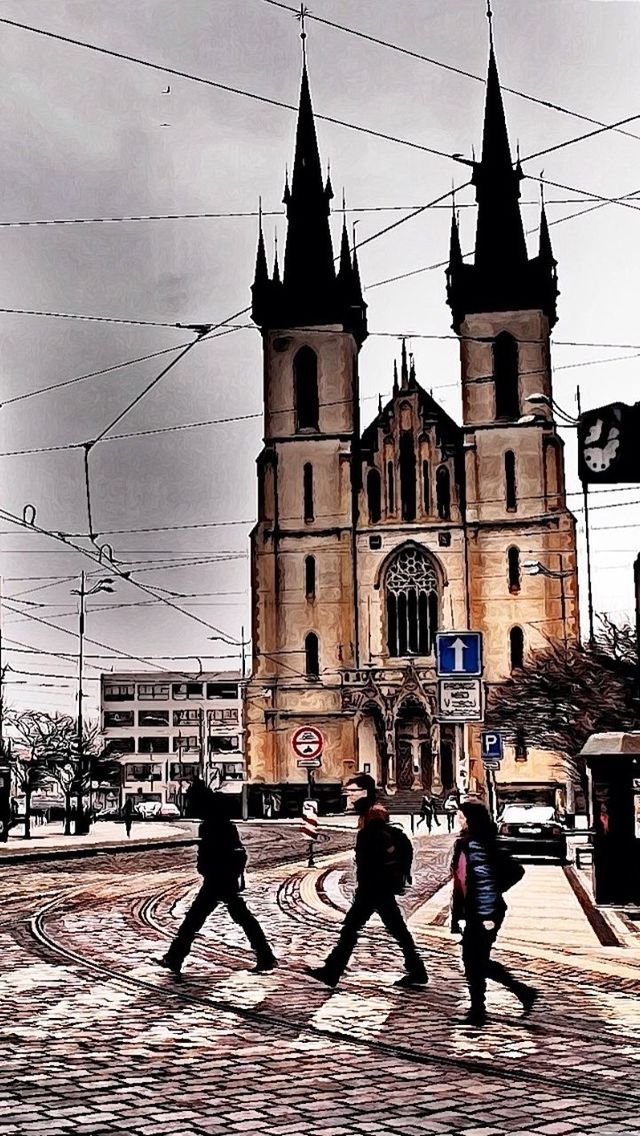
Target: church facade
<point>370,541</point>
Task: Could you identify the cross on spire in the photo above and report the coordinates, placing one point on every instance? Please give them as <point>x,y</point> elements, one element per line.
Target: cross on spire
<point>300,17</point>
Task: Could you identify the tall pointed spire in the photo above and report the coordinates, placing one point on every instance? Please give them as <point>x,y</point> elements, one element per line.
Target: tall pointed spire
<point>261,275</point>
<point>404,369</point>
<point>276,266</point>
<point>499,233</point>
<point>545,251</point>
<point>396,388</point>
<point>310,292</point>
<point>502,278</point>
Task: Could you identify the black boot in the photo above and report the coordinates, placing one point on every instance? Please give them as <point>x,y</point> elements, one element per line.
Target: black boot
<point>170,964</point>
<point>263,966</point>
<point>322,975</point>
<point>476,1016</point>
<point>528,996</point>
<point>415,976</point>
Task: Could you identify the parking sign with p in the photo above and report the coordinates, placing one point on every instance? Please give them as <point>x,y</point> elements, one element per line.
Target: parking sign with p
<point>491,745</point>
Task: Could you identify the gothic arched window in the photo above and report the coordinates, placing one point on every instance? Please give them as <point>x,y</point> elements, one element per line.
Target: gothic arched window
<point>411,588</point>
<point>407,476</point>
<point>310,577</point>
<point>311,655</point>
<point>305,387</point>
<point>443,492</point>
<point>505,376</point>
<point>374,493</point>
<point>516,647</point>
<point>307,482</point>
<point>513,566</point>
<point>510,490</point>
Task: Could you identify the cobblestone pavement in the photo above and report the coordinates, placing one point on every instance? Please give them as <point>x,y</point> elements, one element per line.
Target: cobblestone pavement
<point>96,1039</point>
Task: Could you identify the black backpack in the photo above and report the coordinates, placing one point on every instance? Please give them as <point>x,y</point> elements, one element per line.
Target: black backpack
<point>508,871</point>
<point>398,858</point>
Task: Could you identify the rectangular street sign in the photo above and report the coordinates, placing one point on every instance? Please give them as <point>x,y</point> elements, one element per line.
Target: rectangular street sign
<point>491,745</point>
<point>459,653</point>
<point>460,700</point>
<point>495,765</point>
<point>309,762</point>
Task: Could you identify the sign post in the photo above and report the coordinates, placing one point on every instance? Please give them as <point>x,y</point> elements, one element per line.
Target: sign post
<point>491,749</point>
<point>308,743</point>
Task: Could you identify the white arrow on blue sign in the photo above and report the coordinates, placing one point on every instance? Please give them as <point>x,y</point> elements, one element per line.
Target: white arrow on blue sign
<point>491,743</point>
<point>459,653</point>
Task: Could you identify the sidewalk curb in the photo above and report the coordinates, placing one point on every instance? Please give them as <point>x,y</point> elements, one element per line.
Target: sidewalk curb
<point>598,921</point>
<point>28,856</point>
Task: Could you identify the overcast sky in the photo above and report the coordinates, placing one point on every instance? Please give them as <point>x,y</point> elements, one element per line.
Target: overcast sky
<point>85,135</point>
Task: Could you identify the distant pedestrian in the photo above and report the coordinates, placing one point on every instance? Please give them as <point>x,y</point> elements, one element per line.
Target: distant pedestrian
<point>128,814</point>
<point>451,809</point>
<point>383,865</point>
<point>221,863</point>
<point>481,872</point>
<point>428,812</point>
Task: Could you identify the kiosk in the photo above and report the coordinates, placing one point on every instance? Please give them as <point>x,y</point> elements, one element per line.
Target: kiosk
<point>613,766</point>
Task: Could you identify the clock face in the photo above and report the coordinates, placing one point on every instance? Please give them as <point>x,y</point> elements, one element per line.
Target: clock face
<point>601,443</point>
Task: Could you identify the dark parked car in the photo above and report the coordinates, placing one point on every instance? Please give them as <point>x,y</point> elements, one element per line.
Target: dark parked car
<point>532,830</point>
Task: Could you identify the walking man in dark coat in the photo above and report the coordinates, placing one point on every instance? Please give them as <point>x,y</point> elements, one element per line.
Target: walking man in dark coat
<point>127,812</point>
<point>377,887</point>
<point>221,863</point>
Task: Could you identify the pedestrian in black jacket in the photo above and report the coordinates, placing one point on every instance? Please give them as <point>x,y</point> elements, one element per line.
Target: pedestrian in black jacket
<point>221,862</point>
<point>478,903</point>
<point>377,887</point>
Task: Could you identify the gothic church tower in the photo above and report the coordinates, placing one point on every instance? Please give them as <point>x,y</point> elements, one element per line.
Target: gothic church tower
<point>313,323</point>
<point>504,308</point>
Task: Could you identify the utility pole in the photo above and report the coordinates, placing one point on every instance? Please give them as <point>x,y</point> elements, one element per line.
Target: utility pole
<point>80,828</point>
<point>100,586</point>
<point>244,661</point>
<point>585,498</point>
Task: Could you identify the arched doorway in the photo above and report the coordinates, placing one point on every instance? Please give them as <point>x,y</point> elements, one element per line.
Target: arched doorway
<point>414,759</point>
<point>371,748</point>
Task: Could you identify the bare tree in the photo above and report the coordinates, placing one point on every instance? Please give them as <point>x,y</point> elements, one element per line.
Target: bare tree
<point>41,739</point>
<point>559,697</point>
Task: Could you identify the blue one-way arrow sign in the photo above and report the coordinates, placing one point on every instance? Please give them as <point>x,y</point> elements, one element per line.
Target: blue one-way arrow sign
<point>459,653</point>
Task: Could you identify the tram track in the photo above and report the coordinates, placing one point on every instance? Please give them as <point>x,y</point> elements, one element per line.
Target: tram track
<point>286,1026</point>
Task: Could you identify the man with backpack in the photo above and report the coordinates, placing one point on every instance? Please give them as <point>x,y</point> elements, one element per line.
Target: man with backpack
<point>383,866</point>
<point>221,862</point>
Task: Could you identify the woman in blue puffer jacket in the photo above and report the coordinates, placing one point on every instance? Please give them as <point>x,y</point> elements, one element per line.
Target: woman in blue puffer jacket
<point>477,902</point>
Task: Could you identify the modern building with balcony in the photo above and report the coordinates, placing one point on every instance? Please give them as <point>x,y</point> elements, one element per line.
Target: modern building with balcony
<point>167,728</point>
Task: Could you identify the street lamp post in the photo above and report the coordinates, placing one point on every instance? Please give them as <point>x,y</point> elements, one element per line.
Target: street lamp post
<point>535,568</point>
<point>100,586</point>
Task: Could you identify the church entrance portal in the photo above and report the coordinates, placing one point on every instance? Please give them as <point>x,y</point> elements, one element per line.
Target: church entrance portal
<point>371,745</point>
<point>414,761</point>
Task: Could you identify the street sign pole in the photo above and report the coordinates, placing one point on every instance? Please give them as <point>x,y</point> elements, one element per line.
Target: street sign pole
<point>310,861</point>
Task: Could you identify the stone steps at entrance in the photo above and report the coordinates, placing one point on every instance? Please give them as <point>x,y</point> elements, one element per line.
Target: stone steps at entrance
<point>403,801</point>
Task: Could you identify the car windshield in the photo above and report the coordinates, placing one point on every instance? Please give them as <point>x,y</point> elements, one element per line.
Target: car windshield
<point>528,814</point>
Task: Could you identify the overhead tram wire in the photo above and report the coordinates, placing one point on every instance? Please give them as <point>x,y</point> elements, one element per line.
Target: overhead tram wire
<point>51,221</point>
<point>255,415</point>
<point>289,106</point>
<point>438,63</point>
<point>111,566</point>
<point>222,87</point>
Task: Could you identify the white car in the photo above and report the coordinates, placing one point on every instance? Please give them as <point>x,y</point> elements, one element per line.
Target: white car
<point>168,810</point>
<point>148,809</point>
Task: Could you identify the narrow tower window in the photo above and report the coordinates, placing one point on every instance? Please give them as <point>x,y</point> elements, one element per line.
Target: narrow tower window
<point>305,383</point>
<point>443,492</point>
<point>310,577</point>
<point>374,492</point>
<point>513,565</point>
<point>391,486</point>
<point>407,476</point>
<point>426,487</point>
<point>505,375</point>
<point>511,496</point>
<point>307,478</point>
<point>516,647</point>
<point>312,655</point>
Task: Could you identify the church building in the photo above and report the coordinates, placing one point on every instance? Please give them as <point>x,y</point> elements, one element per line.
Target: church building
<point>370,541</point>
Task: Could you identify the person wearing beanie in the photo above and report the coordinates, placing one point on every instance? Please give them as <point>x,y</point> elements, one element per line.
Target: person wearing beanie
<point>477,903</point>
<point>376,890</point>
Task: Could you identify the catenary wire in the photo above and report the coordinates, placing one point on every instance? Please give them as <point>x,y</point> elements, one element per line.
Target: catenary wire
<point>438,63</point>
<point>225,87</point>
